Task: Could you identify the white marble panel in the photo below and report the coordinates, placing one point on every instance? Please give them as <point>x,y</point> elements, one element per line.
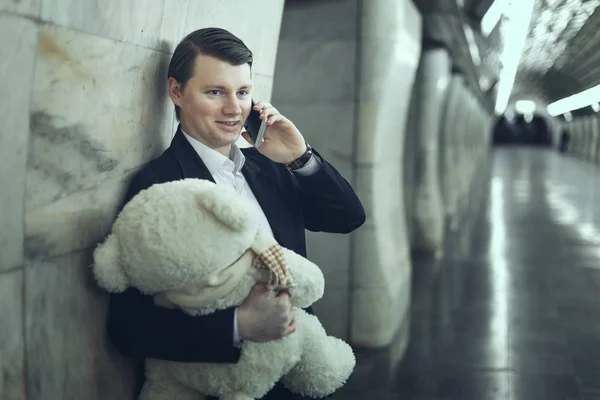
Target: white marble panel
<point>333,310</point>
<point>18,42</point>
<point>74,222</point>
<point>68,353</point>
<point>12,338</point>
<point>323,72</point>
<point>255,22</point>
<point>157,24</point>
<point>100,108</point>
<point>378,312</point>
<point>25,7</point>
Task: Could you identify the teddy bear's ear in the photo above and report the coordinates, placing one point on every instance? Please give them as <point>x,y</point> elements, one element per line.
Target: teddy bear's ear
<point>226,207</point>
<point>107,266</point>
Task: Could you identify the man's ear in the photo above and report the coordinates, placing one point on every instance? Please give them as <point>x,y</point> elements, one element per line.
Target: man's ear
<point>175,91</point>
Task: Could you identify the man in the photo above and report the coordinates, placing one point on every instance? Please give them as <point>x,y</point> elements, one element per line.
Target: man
<point>290,184</point>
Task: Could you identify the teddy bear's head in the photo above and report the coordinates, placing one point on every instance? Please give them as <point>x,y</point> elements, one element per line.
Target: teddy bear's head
<point>180,237</point>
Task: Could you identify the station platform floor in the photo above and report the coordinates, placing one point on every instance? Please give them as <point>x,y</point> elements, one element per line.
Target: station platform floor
<point>512,308</point>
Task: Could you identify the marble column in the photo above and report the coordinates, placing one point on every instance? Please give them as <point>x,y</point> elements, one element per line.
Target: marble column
<point>390,47</point>
<point>450,145</point>
<point>432,83</point>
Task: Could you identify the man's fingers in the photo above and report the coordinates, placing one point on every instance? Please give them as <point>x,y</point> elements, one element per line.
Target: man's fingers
<point>275,118</point>
<point>261,105</point>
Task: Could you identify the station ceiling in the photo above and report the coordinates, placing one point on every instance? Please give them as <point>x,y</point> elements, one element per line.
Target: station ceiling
<point>561,53</point>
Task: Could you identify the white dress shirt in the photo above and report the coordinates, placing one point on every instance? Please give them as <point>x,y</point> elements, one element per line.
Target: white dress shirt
<point>228,171</point>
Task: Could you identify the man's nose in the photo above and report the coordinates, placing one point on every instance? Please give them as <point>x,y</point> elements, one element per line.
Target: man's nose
<point>232,106</point>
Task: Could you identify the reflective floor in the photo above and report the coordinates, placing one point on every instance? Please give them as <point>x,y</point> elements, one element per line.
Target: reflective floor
<point>512,309</point>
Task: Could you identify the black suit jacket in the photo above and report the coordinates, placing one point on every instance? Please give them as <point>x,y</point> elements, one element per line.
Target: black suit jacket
<point>292,203</point>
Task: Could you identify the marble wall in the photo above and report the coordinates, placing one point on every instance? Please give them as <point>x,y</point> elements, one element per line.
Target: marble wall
<point>344,75</point>
<point>83,105</point>
<point>464,151</point>
<point>585,137</point>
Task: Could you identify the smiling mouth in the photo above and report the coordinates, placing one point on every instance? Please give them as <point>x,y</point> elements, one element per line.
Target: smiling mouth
<point>228,123</point>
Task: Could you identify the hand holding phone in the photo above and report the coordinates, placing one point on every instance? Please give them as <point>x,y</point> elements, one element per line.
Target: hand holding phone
<point>285,142</point>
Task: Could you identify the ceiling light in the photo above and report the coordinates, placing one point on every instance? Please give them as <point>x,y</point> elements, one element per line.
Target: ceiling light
<point>575,102</point>
<point>525,106</point>
<point>518,14</point>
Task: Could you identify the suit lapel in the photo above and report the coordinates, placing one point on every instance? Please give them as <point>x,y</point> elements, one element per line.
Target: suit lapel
<point>190,163</point>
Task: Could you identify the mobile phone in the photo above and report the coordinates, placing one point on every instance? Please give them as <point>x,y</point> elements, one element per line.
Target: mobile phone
<point>256,127</point>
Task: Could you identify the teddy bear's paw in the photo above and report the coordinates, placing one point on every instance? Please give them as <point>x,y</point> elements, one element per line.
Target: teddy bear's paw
<point>323,370</point>
<point>236,396</point>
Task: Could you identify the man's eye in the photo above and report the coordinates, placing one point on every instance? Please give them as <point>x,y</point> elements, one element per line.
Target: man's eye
<point>215,92</point>
<point>244,92</point>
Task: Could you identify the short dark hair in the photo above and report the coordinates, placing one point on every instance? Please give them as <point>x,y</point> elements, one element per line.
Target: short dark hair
<point>215,42</point>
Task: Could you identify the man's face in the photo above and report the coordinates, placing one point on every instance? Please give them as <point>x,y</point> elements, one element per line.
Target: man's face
<point>215,102</point>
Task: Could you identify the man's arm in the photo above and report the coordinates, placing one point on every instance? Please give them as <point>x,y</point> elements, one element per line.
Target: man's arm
<point>139,328</point>
<point>329,202</point>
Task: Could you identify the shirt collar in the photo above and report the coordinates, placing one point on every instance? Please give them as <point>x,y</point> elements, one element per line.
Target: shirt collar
<point>214,160</point>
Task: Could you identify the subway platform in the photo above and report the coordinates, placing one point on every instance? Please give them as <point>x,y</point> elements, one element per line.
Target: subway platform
<point>510,311</point>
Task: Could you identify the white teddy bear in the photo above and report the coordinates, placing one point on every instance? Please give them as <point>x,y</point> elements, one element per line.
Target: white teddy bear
<point>198,246</point>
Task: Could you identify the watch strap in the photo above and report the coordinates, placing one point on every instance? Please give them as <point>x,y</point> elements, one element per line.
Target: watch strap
<point>302,160</point>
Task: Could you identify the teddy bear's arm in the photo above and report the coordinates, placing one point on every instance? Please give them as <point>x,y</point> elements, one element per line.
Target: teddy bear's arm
<point>308,281</point>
